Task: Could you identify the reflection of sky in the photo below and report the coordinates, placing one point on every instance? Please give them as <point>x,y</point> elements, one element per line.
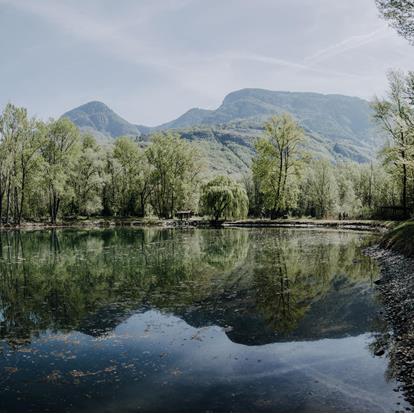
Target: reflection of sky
<point>157,361</point>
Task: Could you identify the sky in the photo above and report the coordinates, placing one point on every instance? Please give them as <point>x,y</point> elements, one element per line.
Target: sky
<point>152,60</point>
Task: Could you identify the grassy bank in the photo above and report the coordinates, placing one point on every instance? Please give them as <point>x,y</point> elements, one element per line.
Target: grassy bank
<point>400,239</point>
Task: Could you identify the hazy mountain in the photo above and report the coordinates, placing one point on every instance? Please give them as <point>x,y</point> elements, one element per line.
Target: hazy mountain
<point>101,121</point>
<point>337,126</point>
<point>335,116</point>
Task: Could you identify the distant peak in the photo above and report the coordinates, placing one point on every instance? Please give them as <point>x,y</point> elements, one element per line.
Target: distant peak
<point>94,105</point>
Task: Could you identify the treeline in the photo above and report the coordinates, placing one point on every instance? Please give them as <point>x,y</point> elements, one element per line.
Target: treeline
<point>285,180</point>
<point>50,171</point>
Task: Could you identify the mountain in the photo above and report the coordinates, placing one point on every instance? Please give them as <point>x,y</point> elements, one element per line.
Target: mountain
<point>337,118</point>
<point>337,126</point>
<point>97,118</point>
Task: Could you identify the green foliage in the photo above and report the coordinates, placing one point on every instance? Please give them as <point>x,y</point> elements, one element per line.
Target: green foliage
<point>395,115</point>
<point>52,170</point>
<point>400,239</point>
<point>276,164</point>
<point>60,154</point>
<point>88,178</point>
<point>21,140</point>
<point>175,173</point>
<point>320,189</point>
<point>223,198</point>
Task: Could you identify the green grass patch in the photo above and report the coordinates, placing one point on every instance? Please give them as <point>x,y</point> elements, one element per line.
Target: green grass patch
<point>400,238</point>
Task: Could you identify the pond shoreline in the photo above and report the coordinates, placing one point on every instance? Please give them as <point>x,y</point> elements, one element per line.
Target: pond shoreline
<point>370,225</point>
<point>396,288</point>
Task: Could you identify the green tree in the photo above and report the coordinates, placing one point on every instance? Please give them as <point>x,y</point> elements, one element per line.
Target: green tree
<point>133,177</point>
<point>222,197</point>
<point>175,169</point>
<point>60,153</point>
<point>88,178</point>
<point>21,140</point>
<point>323,188</point>
<point>276,164</point>
<point>395,115</point>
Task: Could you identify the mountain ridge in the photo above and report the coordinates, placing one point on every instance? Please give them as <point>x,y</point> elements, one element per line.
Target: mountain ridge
<point>337,126</point>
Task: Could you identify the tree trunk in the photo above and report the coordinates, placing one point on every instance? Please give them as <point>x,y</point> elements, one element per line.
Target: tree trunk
<point>8,204</point>
<point>404,184</point>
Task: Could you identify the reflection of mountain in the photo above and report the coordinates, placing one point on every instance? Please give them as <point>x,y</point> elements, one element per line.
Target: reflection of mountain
<point>345,310</point>
<point>267,285</point>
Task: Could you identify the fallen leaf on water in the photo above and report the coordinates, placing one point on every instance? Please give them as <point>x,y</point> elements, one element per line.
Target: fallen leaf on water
<point>77,374</point>
<point>27,350</point>
<point>54,376</point>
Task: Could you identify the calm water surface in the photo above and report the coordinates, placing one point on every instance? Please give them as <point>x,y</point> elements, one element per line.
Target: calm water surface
<point>191,320</point>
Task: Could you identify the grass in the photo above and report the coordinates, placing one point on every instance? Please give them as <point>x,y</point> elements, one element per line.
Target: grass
<point>400,238</point>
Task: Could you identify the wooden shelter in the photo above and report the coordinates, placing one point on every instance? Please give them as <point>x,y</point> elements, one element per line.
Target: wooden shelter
<point>184,214</point>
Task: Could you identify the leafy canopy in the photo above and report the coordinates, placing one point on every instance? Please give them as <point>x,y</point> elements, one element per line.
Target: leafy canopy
<point>223,198</point>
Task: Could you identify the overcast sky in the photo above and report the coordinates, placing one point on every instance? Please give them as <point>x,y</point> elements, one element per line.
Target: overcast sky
<point>152,60</point>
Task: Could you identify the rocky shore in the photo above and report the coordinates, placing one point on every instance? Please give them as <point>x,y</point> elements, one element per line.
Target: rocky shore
<point>396,287</point>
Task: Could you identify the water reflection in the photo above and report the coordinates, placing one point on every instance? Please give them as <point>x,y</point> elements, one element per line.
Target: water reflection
<point>260,283</point>
<point>189,320</point>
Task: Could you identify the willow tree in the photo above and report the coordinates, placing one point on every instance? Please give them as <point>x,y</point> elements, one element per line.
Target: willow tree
<point>175,169</point>
<point>223,198</point>
<point>276,162</point>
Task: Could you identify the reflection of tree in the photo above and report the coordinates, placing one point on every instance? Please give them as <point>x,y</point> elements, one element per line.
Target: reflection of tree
<point>192,266</point>
<point>89,280</point>
<point>56,279</point>
<point>293,272</point>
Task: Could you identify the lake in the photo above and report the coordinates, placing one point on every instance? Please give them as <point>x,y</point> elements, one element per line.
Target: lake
<point>192,320</point>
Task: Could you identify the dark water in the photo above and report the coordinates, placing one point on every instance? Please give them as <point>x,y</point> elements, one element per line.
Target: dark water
<point>196,320</point>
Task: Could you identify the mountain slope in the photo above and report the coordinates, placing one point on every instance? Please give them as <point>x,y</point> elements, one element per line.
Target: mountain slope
<point>97,118</point>
<point>336,117</point>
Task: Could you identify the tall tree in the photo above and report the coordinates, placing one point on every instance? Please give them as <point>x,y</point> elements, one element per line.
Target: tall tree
<point>134,177</point>
<point>88,178</point>
<point>323,188</point>
<point>21,140</point>
<point>276,162</point>
<point>176,168</point>
<point>396,116</point>
<point>60,153</point>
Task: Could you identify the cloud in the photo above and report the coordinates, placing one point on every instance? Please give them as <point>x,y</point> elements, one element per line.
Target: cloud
<point>103,33</point>
<point>346,45</point>
<point>152,60</point>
